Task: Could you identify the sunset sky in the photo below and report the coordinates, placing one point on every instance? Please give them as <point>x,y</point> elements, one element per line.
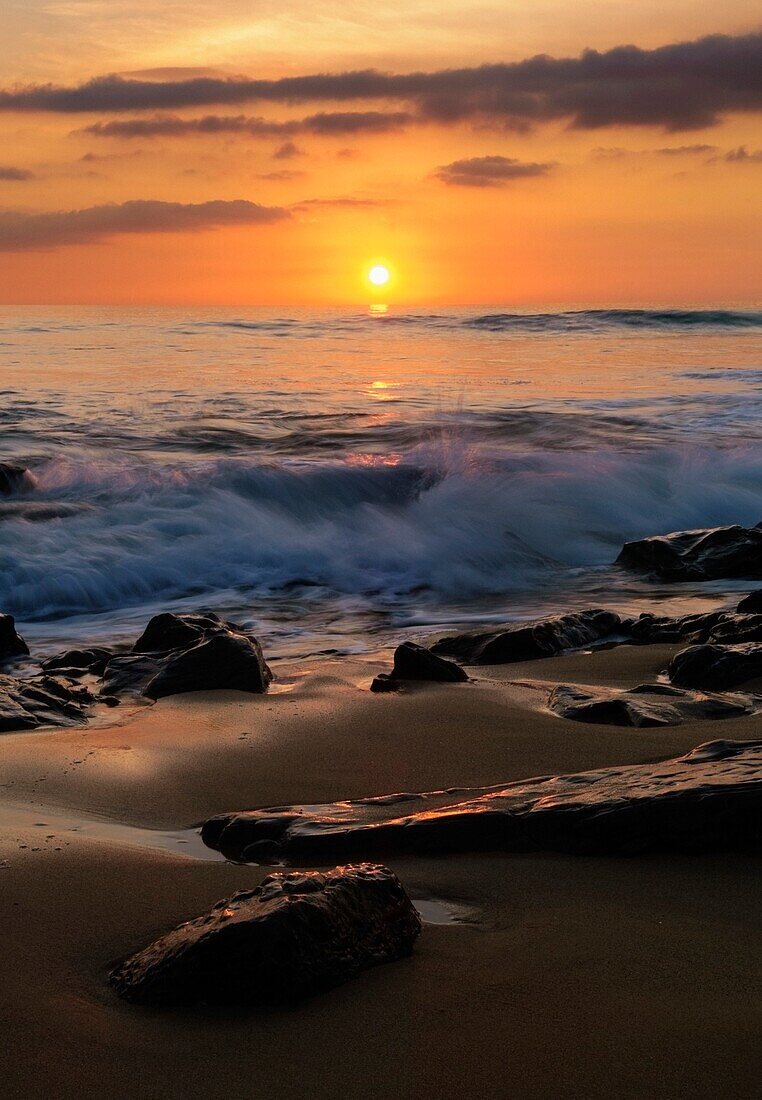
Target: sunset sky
<point>248,151</point>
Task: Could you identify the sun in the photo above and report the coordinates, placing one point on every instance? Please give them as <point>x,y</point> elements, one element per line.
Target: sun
<point>379,275</point>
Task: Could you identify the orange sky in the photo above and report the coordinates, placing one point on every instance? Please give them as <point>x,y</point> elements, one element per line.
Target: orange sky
<point>606,181</point>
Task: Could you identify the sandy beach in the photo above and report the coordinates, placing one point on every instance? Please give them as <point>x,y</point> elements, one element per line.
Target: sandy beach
<point>590,977</point>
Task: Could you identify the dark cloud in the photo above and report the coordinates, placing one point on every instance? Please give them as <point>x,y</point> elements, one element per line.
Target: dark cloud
<point>7,172</point>
<point>324,123</point>
<point>287,151</point>
<point>20,232</point>
<point>680,86</point>
<point>346,201</point>
<point>741,155</point>
<point>284,175</point>
<point>686,150</point>
<point>488,171</point>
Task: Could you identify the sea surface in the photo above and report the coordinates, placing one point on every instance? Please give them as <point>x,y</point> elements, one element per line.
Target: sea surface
<point>343,479</point>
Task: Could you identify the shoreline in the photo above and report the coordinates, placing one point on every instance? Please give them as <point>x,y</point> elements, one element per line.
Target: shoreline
<point>569,973</point>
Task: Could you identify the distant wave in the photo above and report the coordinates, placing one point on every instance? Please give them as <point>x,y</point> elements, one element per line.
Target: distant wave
<point>593,320</point>
<point>581,320</point>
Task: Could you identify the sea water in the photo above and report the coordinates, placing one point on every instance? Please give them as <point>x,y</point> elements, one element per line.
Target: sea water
<point>342,479</point>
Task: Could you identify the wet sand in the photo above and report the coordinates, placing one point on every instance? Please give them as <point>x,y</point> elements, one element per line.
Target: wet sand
<point>575,976</point>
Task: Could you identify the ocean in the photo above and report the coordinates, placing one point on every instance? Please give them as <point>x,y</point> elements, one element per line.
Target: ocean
<point>341,479</point>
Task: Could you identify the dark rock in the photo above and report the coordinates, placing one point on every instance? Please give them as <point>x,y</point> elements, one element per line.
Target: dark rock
<point>715,666</point>
<point>129,674</point>
<point>34,511</point>
<point>11,643</point>
<point>530,641</point>
<point>731,627</point>
<point>717,553</point>
<point>751,604</point>
<point>168,632</point>
<point>413,662</point>
<point>645,705</point>
<point>231,661</point>
<point>79,662</point>
<point>15,479</point>
<point>293,936</point>
<point>710,799</point>
<point>41,701</point>
<point>649,629</point>
<point>384,682</point>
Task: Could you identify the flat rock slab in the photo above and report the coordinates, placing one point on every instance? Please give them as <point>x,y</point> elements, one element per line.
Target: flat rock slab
<point>709,799</point>
<point>709,554</point>
<point>645,705</point>
<point>292,936</point>
<point>530,641</point>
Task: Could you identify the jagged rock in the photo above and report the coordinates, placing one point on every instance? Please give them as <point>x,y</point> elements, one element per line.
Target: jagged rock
<point>80,662</point>
<point>129,674</point>
<point>15,479</point>
<point>645,705</point>
<point>730,628</point>
<point>717,553</point>
<point>649,629</point>
<point>181,653</point>
<point>231,661</point>
<point>751,603</point>
<point>709,799</point>
<point>529,641</point>
<point>716,666</point>
<point>11,643</point>
<point>168,632</point>
<point>41,701</point>
<point>292,936</point>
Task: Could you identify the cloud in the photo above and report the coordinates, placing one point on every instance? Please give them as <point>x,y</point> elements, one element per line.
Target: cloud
<point>488,171</point>
<point>680,86</point>
<point>284,175</point>
<point>686,150</point>
<point>20,232</point>
<point>741,155</point>
<point>322,124</point>
<point>7,172</point>
<point>341,202</point>
<point>287,151</point>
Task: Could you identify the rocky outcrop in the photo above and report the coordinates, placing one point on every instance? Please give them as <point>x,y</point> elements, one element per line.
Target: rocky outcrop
<point>414,662</point>
<point>226,660</point>
<point>11,643</point>
<point>717,553</point>
<point>42,701</point>
<point>645,705</point>
<point>709,799</point>
<point>530,641</point>
<point>15,479</point>
<point>716,667</point>
<point>293,936</point>
<point>80,662</point>
<point>181,653</point>
<point>751,604</point>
